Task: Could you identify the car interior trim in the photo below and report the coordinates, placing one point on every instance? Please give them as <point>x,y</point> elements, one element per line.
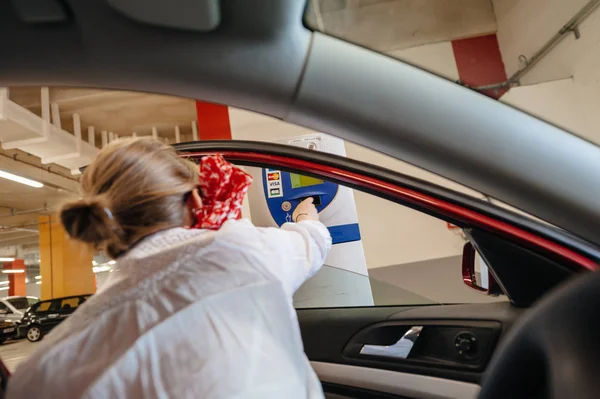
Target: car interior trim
<point>194,15</point>
<point>400,349</point>
<point>438,346</point>
<point>398,383</point>
<point>338,339</point>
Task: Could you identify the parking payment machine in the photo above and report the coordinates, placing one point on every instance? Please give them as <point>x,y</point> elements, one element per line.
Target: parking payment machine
<point>343,281</point>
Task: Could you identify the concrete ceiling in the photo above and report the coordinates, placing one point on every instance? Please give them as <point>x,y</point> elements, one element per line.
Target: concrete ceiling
<point>21,205</point>
<point>390,25</point>
<point>120,112</point>
<point>117,111</point>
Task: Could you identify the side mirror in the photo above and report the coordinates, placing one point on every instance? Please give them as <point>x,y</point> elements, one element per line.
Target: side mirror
<point>476,273</point>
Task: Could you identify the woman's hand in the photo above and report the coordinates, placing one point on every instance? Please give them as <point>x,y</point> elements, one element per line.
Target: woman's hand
<point>305,210</point>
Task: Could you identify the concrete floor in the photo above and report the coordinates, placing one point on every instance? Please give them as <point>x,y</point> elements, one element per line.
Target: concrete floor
<point>13,352</point>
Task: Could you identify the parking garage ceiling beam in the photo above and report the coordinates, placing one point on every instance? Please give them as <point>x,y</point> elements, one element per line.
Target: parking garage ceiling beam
<point>25,239</point>
<point>24,169</point>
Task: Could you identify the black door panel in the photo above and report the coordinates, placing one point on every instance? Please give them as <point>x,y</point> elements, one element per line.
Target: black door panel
<point>337,335</point>
<point>336,391</point>
<point>451,344</point>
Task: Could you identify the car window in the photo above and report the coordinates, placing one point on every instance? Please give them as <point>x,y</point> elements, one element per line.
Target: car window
<point>32,301</point>
<point>407,257</point>
<point>4,309</point>
<point>478,44</point>
<point>69,303</point>
<point>20,303</point>
<point>255,127</point>
<point>383,254</point>
<point>54,306</point>
<point>48,306</point>
<point>368,290</point>
<point>412,258</point>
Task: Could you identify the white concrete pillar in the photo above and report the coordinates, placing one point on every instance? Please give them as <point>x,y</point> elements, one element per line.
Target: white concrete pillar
<point>91,136</point>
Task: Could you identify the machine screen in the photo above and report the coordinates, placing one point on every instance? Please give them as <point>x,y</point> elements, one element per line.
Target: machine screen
<point>303,181</point>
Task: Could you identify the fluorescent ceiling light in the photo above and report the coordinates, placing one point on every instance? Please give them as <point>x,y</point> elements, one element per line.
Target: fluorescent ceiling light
<point>112,262</point>
<point>7,259</point>
<point>38,277</point>
<point>99,269</point>
<point>3,288</point>
<point>39,282</point>
<point>19,179</point>
<point>26,280</point>
<point>94,263</point>
<point>4,282</point>
<point>10,271</point>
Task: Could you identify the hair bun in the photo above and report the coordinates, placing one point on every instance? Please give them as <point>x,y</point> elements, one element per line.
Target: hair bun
<point>89,220</point>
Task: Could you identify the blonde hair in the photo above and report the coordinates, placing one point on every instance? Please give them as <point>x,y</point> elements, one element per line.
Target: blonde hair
<point>134,187</point>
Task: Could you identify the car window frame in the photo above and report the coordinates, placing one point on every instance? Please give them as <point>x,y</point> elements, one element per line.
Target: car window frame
<point>461,210</point>
<point>39,304</point>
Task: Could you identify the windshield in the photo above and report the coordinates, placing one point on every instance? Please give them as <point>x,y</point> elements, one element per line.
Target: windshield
<point>514,51</point>
<point>20,303</point>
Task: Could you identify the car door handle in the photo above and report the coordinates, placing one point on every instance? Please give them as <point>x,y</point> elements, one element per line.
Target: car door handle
<point>53,316</point>
<point>399,350</point>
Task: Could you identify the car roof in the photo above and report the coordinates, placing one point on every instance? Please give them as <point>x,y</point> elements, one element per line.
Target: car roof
<point>66,297</point>
<point>20,296</point>
<point>258,55</point>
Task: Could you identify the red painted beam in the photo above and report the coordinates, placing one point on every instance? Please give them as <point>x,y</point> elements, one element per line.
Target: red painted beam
<point>213,121</point>
<point>16,281</point>
<point>479,63</point>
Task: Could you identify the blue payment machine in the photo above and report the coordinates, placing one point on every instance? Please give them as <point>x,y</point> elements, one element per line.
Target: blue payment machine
<point>343,280</point>
<point>284,191</point>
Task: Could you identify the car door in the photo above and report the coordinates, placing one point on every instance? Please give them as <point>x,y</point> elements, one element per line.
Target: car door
<point>423,333</point>
<point>48,314</point>
<point>67,307</point>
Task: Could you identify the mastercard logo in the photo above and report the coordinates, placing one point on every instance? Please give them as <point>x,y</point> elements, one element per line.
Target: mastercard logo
<point>273,176</point>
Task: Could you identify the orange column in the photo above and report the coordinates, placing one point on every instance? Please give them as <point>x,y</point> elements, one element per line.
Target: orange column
<point>16,277</point>
<point>65,265</point>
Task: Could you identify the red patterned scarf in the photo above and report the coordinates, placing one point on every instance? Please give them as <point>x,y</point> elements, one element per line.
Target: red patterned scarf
<point>223,187</point>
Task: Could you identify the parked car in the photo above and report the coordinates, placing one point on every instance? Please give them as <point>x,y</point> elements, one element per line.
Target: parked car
<point>45,315</point>
<point>13,307</point>
<point>8,329</point>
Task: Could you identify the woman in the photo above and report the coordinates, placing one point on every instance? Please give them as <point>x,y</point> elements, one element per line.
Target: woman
<point>187,313</point>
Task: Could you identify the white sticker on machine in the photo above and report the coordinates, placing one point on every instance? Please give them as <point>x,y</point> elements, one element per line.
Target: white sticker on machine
<point>274,186</point>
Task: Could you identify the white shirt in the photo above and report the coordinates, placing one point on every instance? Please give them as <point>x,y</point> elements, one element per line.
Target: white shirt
<point>188,314</point>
